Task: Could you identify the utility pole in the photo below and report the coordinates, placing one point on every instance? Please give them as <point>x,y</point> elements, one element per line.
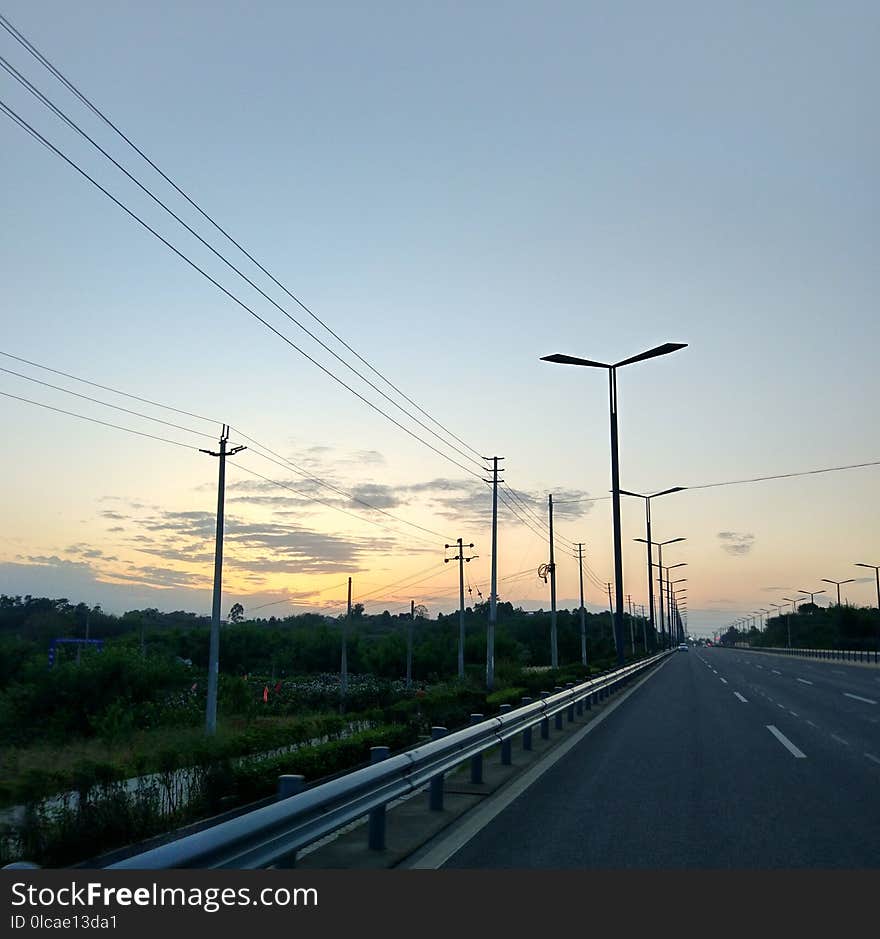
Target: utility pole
<point>583,617</point>
<point>343,670</point>
<point>632,635</point>
<point>493,592</point>
<point>409,642</point>
<point>611,611</point>
<point>214,647</point>
<point>554,652</point>
<point>461,559</point>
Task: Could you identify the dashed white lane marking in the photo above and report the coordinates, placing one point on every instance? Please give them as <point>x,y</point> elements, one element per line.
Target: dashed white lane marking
<point>811,723</point>
<point>724,680</point>
<point>775,672</point>
<point>759,666</point>
<point>738,695</point>
<point>792,749</point>
<point>780,705</point>
<point>856,697</point>
<point>840,740</point>
<point>871,756</point>
<point>804,681</point>
<point>792,713</point>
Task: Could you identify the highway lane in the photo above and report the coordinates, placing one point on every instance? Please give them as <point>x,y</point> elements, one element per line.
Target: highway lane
<point>707,765</point>
<point>839,705</point>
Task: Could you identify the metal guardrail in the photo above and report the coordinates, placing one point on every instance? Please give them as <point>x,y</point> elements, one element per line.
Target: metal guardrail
<point>843,655</point>
<point>271,836</point>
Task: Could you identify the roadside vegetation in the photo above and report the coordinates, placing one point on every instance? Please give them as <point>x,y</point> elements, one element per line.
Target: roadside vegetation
<point>815,627</point>
<point>106,747</point>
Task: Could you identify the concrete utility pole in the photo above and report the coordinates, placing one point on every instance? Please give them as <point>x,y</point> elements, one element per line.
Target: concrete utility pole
<point>343,670</point>
<point>461,559</point>
<point>409,642</point>
<point>554,651</point>
<point>632,634</point>
<point>214,648</point>
<point>583,617</point>
<point>493,591</point>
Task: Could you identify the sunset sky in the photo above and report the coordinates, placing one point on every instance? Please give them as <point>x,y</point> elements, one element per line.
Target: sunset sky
<point>455,190</point>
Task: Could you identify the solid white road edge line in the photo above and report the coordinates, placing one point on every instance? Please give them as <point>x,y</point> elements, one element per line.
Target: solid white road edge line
<point>440,849</point>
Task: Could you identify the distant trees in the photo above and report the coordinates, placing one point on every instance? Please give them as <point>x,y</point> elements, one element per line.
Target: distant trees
<point>236,614</point>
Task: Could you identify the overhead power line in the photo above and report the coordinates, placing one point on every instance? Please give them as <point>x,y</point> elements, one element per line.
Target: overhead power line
<point>255,448</point>
<point>106,404</point>
<point>329,505</point>
<point>94,420</point>
<point>13,31</point>
<point>116,391</point>
<point>14,116</point>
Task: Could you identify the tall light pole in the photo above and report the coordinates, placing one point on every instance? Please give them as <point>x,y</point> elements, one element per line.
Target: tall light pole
<point>673,600</point>
<point>825,580</point>
<point>788,618</point>
<point>647,540</point>
<point>876,569</point>
<point>615,467</point>
<point>812,594</point>
<point>661,599</point>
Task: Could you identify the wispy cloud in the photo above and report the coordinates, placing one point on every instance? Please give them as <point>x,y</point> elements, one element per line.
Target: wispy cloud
<point>736,543</point>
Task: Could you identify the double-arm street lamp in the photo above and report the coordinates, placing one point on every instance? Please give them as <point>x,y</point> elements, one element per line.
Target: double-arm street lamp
<point>669,593</point>
<point>825,580</point>
<point>661,601</point>
<point>812,594</point>
<point>561,359</point>
<point>647,541</point>
<point>876,569</point>
<point>794,602</point>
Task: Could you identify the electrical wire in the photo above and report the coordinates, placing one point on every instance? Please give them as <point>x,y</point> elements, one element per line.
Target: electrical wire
<point>15,117</point>
<point>71,87</point>
<point>329,505</point>
<point>95,420</point>
<point>106,404</point>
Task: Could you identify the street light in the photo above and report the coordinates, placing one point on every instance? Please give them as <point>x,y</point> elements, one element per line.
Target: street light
<point>647,499</point>
<point>812,594</point>
<point>876,569</point>
<point>561,359</point>
<point>838,582</point>
<point>660,545</point>
<point>788,618</point>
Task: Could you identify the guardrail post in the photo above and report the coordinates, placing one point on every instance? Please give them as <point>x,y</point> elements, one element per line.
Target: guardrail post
<point>376,834</point>
<point>557,719</point>
<point>290,785</point>
<point>506,758</point>
<point>569,685</point>
<point>545,721</point>
<point>527,733</point>
<point>476,761</point>
<point>435,799</point>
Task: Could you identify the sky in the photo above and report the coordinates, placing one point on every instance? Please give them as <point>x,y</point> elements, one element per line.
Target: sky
<point>455,190</point>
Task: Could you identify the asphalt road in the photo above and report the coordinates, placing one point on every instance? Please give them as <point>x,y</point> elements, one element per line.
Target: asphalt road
<point>722,759</point>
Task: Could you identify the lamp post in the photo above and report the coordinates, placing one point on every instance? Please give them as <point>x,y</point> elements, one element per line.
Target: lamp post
<point>661,601</point>
<point>812,594</point>
<point>647,540</point>
<point>673,602</point>
<point>876,569</point>
<point>793,603</point>
<point>561,359</point>
<point>838,583</point>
